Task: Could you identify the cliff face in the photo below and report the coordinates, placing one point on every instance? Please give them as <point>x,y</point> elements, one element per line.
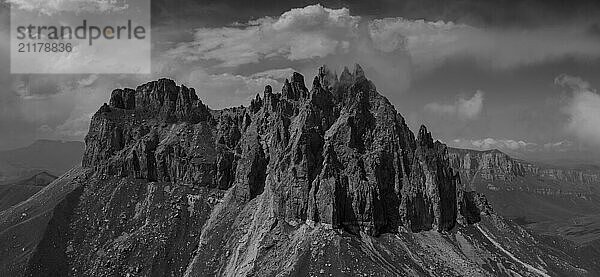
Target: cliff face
<point>494,166</point>
<point>326,180</point>
<point>433,184</point>
<point>488,165</point>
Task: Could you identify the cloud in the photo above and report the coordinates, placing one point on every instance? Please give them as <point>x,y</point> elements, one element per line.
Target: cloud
<point>573,82</point>
<point>302,38</point>
<point>228,90</point>
<point>279,74</point>
<point>316,32</point>
<point>392,50</point>
<point>44,86</point>
<point>465,109</point>
<point>431,43</point>
<point>490,143</point>
<point>582,108</point>
<point>229,65</point>
<point>86,82</point>
<point>54,106</point>
<point>550,151</point>
<point>51,7</point>
<point>561,146</point>
<point>304,33</point>
<point>74,127</point>
<point>36,87</point>
<point>513,146</point>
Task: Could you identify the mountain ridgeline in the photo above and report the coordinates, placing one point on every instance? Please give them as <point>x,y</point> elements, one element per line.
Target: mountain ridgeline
<point>336,154</point>
<point>327,180</point>
<point>494,166</point>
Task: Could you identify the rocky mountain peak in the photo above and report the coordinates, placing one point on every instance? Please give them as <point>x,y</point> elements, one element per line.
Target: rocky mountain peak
<point>325,77</point>
<point>346,77</point>
<point>338,154</point>
<point>424,137</point>
<point>358,72</point>
<point>161,98</point>
<point>294,88</point>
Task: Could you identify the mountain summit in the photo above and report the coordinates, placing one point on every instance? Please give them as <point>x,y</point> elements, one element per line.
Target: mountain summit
<point>336,154</point>
<point>327,180</point>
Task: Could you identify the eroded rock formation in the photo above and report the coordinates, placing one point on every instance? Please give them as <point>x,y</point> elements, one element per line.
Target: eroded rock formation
<point>336,154</point>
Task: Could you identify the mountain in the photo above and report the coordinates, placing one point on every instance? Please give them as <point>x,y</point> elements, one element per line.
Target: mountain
<point>54,157</point>
<point>548,199</point>
<point>534,191</point>
<point>21,190</point>
<point>305,182</point>
<point>41,179</point>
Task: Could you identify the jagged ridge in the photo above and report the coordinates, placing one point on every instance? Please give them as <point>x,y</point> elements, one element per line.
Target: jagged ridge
<point>336,154</point>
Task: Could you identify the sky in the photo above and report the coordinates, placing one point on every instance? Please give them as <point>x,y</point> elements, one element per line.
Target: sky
<point>516,75</point>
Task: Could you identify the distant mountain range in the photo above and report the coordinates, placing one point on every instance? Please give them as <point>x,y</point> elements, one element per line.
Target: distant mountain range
<point>498,170</point>
<point>54,157</point>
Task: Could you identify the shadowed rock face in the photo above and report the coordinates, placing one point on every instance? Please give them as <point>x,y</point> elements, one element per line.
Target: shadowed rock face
<point>336,154</point>
<point>430,197</point>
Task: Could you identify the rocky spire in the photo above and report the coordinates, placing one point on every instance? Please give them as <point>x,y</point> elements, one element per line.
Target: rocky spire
<point>256,104</point>
<point>268,90</point>
<point>358,72</point>
<point>346,77</point>
<point>325,77</point>
<point>294,87</point>
<point>424,137</point>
